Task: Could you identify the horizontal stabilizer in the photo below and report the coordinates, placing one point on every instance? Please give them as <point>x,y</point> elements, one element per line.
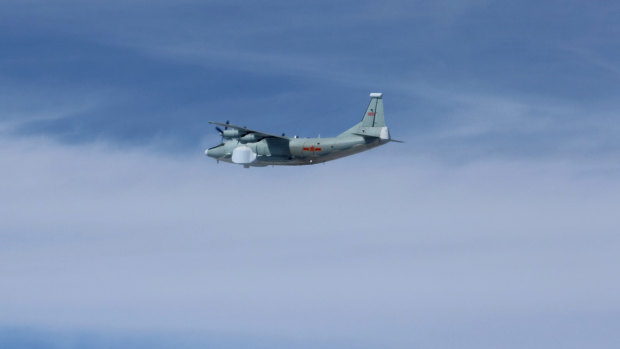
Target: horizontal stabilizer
<point>379,137</point>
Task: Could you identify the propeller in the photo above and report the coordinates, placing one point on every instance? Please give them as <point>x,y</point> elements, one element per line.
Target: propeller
<point>221,133</point>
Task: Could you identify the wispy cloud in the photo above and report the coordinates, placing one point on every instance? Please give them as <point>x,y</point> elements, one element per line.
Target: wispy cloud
<point>171,68</point>
<point>597,60</point>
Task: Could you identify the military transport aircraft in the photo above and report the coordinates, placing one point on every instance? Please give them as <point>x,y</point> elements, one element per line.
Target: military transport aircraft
<point>240,145</point>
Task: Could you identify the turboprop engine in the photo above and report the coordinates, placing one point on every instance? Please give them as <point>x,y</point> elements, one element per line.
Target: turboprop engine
<point>228,134</point>
<point>249,138</point>
<point>243,155</point>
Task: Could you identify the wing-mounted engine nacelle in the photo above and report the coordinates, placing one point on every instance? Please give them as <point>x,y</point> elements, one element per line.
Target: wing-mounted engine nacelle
<point>249,138</point>
<point>243,155</point>
<point>241,136</point>
<point>228,134</point>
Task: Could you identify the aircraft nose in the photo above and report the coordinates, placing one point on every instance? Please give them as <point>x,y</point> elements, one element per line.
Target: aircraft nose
<point>207,152</point>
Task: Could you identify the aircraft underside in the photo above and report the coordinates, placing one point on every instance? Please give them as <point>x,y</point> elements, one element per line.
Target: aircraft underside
<point>313,159</point>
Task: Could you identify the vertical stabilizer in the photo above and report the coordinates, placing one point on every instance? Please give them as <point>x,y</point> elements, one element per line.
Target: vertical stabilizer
<point>373,117</point>
<point>374,113</point>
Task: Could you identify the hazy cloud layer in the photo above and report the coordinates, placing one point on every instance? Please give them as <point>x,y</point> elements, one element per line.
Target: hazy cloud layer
<point>387,254</point>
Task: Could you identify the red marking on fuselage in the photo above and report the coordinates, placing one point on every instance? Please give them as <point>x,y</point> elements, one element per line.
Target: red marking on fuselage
<point>312,148</point>
<point>371,114</point>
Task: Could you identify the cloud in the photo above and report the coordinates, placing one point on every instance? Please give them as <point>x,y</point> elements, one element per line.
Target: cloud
<point>364,249</point>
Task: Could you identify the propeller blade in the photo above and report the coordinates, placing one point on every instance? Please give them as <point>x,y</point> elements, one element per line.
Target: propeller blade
<point>219,130</point>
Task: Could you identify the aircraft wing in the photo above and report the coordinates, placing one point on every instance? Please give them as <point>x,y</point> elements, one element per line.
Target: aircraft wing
<point>247,130</point>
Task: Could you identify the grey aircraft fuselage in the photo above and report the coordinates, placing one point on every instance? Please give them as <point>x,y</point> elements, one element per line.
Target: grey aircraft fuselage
<point>254,148</point>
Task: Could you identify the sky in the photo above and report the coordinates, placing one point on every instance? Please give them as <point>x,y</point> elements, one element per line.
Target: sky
<point>494,225</point>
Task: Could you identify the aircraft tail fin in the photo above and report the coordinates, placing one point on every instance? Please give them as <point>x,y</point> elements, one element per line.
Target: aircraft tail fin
<point>374,116</point>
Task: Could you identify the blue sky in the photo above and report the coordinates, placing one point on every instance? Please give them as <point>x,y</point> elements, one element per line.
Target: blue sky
<point>494,225</point>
